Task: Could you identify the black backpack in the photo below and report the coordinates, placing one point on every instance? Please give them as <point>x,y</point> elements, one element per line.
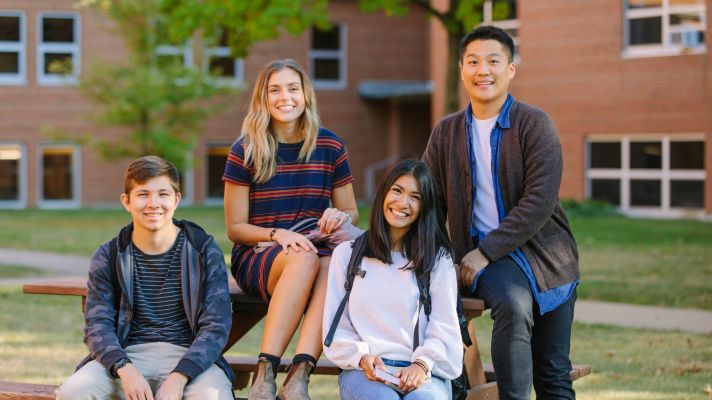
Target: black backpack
<point>459,387</point>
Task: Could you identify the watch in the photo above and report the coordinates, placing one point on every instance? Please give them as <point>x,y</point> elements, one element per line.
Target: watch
<point>120,363</point>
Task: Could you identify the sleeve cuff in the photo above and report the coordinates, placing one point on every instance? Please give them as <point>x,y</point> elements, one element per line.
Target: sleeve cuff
<point>112,357</point>
<point>355,359</point>
<point>188,368</point>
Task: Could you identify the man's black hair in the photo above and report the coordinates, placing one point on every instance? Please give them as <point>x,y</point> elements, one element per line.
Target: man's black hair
<point>488,32</point>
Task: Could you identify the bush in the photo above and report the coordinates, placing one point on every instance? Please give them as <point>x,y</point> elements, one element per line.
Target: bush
<point>589,208</point>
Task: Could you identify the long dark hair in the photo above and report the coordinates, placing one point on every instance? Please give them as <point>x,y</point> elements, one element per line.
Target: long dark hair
<point>425,240</point>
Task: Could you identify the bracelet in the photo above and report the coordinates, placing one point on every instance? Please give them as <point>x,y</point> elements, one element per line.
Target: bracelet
<point>422,365</point>
<point>272,233</point>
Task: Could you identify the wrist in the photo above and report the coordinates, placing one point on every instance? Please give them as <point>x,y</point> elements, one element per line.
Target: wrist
<point>422,364</point>
<point>118,366</point>
<point>272,234</point>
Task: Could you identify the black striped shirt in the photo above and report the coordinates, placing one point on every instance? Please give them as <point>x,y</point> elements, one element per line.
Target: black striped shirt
<point>158,312</point>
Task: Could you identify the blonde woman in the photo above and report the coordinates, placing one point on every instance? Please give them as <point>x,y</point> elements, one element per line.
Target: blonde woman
<point>282,170</point>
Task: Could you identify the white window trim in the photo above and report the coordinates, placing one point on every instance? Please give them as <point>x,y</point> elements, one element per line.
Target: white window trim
<point>666,48</point>
<point>665,175</point>
<point>211,201</point>
<point>74,48</point>
<point>74,202</point>
<point>20,78</point>
<point>506,24</point>
<point>170,50</point>
<point>21,201</point>
<point>340,54</point>
<point>223,51</point>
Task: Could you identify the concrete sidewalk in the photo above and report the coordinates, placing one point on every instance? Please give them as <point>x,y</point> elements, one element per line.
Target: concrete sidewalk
<point>625,315</point>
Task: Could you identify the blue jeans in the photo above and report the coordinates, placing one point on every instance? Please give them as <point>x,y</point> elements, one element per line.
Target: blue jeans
<point>527,348</point>
<point>353,385</point>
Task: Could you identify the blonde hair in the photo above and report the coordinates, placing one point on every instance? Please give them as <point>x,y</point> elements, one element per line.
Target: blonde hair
<point>260,139</point>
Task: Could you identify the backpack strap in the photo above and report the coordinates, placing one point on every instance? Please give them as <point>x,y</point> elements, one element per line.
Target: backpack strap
<point>462,321</point>
<point>354,268</point>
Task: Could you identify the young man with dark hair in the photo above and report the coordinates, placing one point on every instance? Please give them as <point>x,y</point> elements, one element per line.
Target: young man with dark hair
<point>498,167</point>
<point>158,306</point>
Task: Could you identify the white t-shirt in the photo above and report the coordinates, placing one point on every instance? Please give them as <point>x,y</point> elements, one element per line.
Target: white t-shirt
<point>486,217</point>
<point>381,313</point>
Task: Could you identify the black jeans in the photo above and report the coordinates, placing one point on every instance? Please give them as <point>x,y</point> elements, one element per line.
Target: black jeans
<point>526,347</point>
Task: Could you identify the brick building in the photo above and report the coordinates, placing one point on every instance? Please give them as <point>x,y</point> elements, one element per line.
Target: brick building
<point>628,83</point>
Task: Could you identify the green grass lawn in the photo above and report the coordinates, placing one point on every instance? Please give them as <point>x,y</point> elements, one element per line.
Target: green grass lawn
<point>13,271</point>
<point>638,261</point>
<point>631,364</point>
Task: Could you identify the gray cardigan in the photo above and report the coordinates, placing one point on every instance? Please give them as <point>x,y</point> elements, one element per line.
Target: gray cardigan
<point>529,169</point>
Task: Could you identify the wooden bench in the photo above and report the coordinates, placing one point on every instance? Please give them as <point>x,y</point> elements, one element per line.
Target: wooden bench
<point>248,310</point>
<point>27,391</point>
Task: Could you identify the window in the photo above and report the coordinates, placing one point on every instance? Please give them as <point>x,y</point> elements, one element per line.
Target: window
<point>327,57</point>
<point>503,14</point>
<point>58,59</point>
<point>227,69</point>
<point>171,53</point>
<point>664,27</point>
<point>215,166</point>
<point>12,176</point>
<point>647,175</point>
<point>59,179</point>
<point>12,48</point>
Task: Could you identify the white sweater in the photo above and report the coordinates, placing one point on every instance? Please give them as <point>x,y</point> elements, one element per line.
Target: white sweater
<point>380,315</point>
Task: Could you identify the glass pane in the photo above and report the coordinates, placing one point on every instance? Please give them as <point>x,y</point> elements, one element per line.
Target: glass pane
<point>687,155</point>
<point>645,31</point>
<point>687,194</point>
<point>57,175</point>
<point>10,173</point>
<point>9,63</point>
<point>326,40</point>
<point>605,155</point>
<point>58,30</point>
<point>217,158</point>
<point>646,155</point>
<point>693,19</point>
<point>222,66</point>
<point>608,190</point>
<point>326,69</point>
<point>634,4</point>
<point>9,29</point>
<point>166,60</point>
<point>645,193</point>
<point>504,9</point>
<point>58,63</point>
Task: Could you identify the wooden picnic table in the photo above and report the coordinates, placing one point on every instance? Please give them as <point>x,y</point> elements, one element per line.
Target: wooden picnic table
<point>248,310</point>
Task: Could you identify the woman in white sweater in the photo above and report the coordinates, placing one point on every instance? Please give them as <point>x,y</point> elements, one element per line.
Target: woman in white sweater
<point>377,331</point>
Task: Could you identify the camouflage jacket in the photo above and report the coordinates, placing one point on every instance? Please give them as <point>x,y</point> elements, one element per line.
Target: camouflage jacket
<point>206,299</point>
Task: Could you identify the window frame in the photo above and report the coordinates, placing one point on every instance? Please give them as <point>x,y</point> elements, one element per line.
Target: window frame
<point>665,48</point>
<point>665,174</point>
<point>224,51</point>
<point>20,47</point>
<point>506,24</point>
<point>21,201</point>
<point>74,48</point>
<point>207,200</point>
<point>340,54</point>
<point>75,201</point>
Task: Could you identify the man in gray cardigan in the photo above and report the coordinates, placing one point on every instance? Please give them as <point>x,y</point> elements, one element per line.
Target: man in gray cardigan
<point>498,166</point>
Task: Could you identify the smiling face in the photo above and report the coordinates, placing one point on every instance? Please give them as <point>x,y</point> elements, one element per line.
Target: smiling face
<point>401,206</point>
<point>152,204</point>
<point>285,97</point>
<point>485,72</point>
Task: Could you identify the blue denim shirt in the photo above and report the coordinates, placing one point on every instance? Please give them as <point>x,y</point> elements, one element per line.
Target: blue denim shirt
<point>550,299</point>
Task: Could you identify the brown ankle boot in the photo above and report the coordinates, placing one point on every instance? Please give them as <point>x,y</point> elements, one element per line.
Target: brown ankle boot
<point>297,381</point>
<point>263,385</point>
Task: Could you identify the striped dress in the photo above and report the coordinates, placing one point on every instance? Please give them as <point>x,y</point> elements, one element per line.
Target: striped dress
<point>298,190</point>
